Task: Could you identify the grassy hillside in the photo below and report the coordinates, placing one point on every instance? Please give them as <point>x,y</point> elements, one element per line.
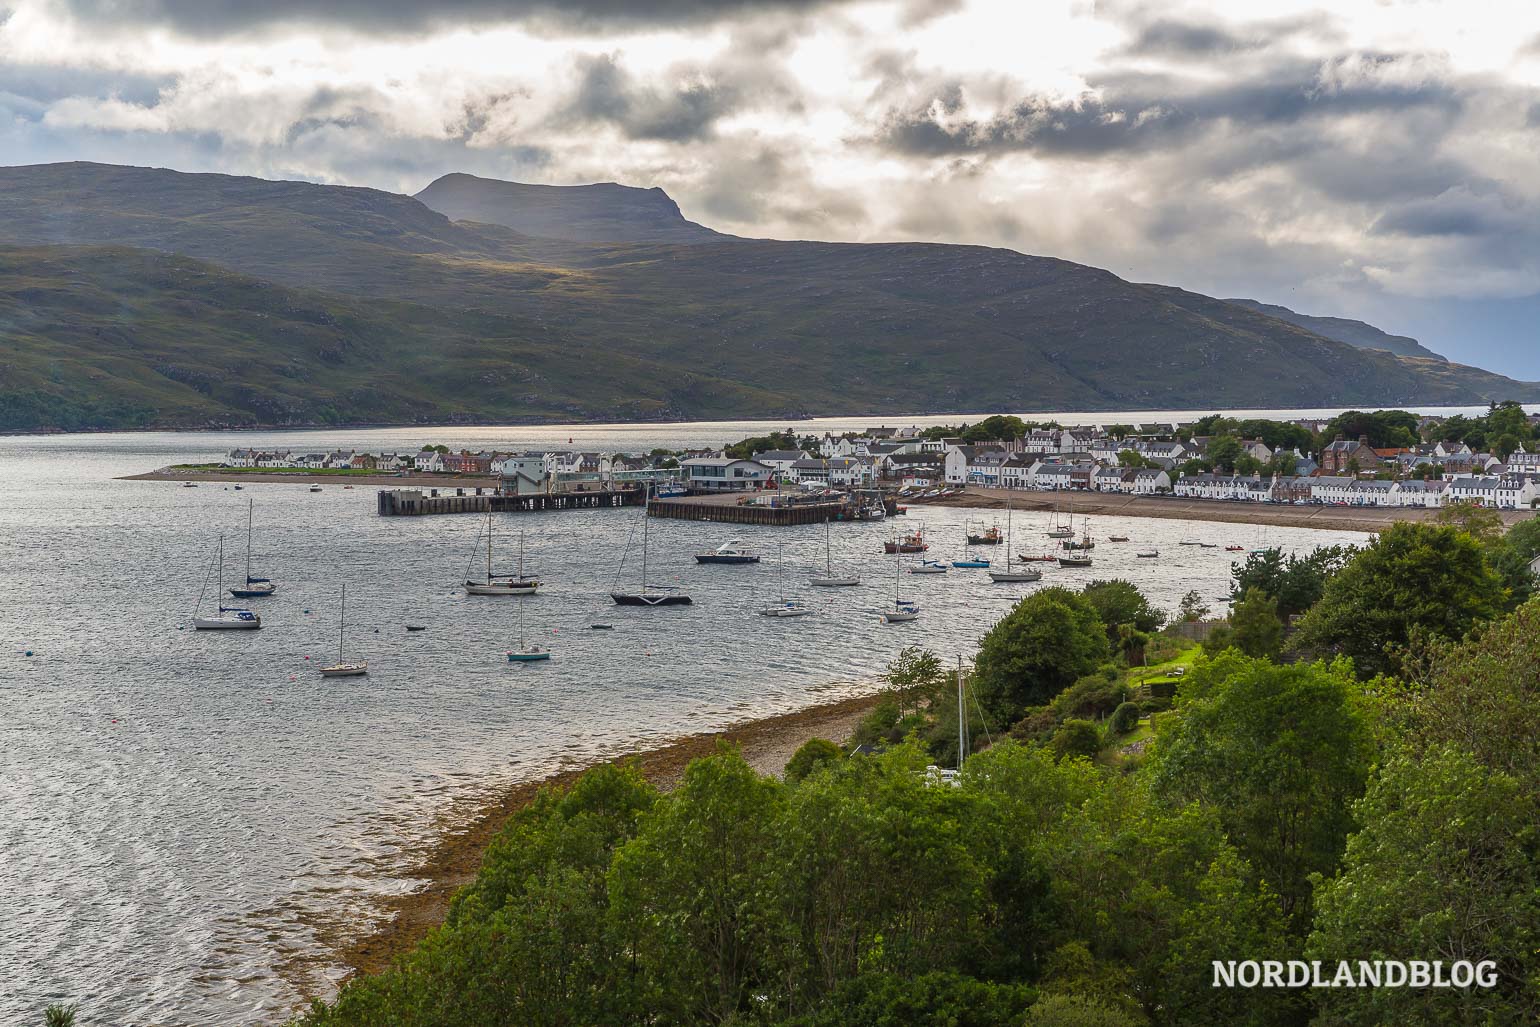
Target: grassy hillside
<point>291,303</point>
<point>1354,333</point>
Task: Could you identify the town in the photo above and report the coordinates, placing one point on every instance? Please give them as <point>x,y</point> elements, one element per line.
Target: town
<point>1307,463</point>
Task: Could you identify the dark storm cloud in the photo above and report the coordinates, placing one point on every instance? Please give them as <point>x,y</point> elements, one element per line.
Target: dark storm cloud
<point>218,17</point>
<point>1141,112</point>
<point>683,111</point>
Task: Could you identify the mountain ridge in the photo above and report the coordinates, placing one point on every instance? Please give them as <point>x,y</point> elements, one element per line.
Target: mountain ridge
<point>492,323</point>
<point>1344,329</point>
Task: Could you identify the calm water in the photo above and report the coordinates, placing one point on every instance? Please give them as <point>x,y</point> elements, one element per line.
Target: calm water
<point>186,816</point>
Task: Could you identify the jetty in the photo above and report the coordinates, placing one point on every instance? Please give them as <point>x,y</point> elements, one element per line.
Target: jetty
<point>767,508</point>
<point>418,502</point>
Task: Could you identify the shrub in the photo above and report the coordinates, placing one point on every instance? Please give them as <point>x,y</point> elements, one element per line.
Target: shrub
<point>1076,1011</point>
<point>814,753</point>
<point>1124,719</point>
<point>1037,726</point>
<point>1093,696</point>
<point>59,1015</point>
<point>1077,737</point>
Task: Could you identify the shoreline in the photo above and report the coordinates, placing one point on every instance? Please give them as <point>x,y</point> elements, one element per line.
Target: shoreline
<point>299,476</point>
<point>1335,518</point>
<point>454,859</point>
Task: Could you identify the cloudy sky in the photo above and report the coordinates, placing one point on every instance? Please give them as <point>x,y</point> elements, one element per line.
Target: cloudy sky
<point>1367,158</point>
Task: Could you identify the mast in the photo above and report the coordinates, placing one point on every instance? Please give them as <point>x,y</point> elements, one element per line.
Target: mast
<point>828,551</point>
<point>220,583</point>
<point>342,621</point>
<point>489,543</point>
<point>646,506</point>
<point>962,718</point>
<point>250,503</point>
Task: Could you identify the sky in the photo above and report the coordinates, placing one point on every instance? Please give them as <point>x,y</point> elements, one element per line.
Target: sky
<point>1377,159</point>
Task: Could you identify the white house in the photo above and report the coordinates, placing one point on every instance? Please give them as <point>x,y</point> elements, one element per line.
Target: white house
<point>1112,479</point>
<point>724,474</point>
<point>780,460</point>
<point>1371,492</point>
<point>1053,476</point>
<point>241,458</point>
<point>1515,491</point>
<point>1149,482</point>
<point>1016,473</point>
<point>1416,492</point>
<point>429,460</point>
<point>1331,488</point>
<point>1480,490</point>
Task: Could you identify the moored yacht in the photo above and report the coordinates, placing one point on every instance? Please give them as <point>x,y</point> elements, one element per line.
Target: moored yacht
<point>733,551</point>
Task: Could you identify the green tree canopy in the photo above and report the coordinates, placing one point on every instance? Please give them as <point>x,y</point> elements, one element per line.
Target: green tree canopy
<point>1051,638</point>
<point>1444,867</point>
<point>1254,625</point>
<point>1280,752</point>
<point>1415,578</point>
<point>1295,582</point>
<point>1384,428</point>
<point>1117,602</point>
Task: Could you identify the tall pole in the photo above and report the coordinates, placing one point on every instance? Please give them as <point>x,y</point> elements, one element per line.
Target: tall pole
<point>646,505</point>
<point>489,543</point>
<point>342,620</point>
<point>250,504</point>
<point>962,718</point>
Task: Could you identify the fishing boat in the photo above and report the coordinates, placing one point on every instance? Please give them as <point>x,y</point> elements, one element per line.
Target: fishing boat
<point>526,653</point>
<point>255,587</point>
<point>1147,554</point>
<point>728,552</point>
<point>672,491</point>
<point>914,542</point>
<point>1074,560</point>
<point>518,584</point>
<point>786,607</point>
<point>225,618</point>
<point>648,595</point>
<point>1009,576</point>
<point>989,536</point>
<point>315,488</point>
<point>1037,557</point>
<point>1117,538</point>
<point>902,611</point>
<point>189,484</point>
<point>1234,549</point>
<point>344,668</point>
<point>828,579</point>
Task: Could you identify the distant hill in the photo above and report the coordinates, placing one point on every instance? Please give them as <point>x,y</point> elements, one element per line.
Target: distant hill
<point>604,212</point>
<point>134,297</point>
<point>1354,333</point>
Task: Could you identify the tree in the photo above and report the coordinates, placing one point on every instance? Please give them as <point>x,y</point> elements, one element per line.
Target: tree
<point>1512,556</point>
<point>1195,465</point>
<point>935,998</point>
<point>1077,738</point>
<point>1479,522</point>
<point>1119,602</point>
<point>1223,451</point>
<point>1414,579</point>
<point>687,893</point>
<point>1295,582</point>
<point>1279,752</point>
<point>1131,643</point>
<point>1193,607</point>
<point>914,677</point>
<point>1060,1010</point>
<point>1247,465</point>
<point>1384,428</point>
<point>1256,629</point>
<point>1120,431</point>
<point>1051,638</point>
<point>1445,866</point>
<point>812,754</point>
<point>1124,719</point>
<point>1129,458</point>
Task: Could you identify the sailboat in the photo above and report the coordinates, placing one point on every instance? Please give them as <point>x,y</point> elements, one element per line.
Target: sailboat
<point>786,607</point>
<point>500,584</point>
<point>902,611</point>
<point>1060,528</point>
<point>342,668</point>
<point>1009,576</point>
<point>968,540</point>
<point>255,588</point>
<point>828,579</point>
<point>226,618</point>
<point>1078,553</point>
<point>649,595</point>
<point>526,653</point>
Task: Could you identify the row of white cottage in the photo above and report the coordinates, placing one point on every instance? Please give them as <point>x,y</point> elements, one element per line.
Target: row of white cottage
<point>1505,492</point>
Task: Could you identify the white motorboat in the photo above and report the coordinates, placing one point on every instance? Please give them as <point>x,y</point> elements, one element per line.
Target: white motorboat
<point>225,618</point>
<point>1147,554</point>
<point>344,668</point>
<point>828,579</point>
<point>733,551</point>
<point>315,488</point>
<point>519,584</point>
<point>928,567</point>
